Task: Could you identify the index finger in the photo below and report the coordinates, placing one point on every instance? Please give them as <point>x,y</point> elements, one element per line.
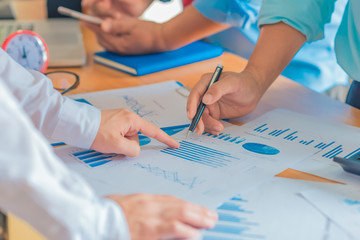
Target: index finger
<point>152,131</point>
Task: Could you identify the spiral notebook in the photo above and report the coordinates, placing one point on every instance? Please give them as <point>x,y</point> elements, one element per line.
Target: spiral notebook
<point>139,65</point>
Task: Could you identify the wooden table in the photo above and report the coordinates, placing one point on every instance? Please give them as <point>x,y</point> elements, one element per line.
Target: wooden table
<point>282,94</point>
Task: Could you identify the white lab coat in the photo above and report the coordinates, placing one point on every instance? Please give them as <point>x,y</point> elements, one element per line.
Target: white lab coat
<point>34,184</point>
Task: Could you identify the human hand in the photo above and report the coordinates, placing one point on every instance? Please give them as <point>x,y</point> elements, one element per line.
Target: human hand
<point>129,36</point>
<point>118,133</point>
<point>234,95</point>
<point>162,217</point>
<point>116,8</point>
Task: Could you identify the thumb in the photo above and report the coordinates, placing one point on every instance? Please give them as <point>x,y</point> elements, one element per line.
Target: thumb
<point>216,91</point>
<point>115,26</point>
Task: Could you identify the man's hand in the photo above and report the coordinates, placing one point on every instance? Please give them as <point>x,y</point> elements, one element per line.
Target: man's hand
<point>161,217</point>
<point>116,8</point>
<point>118,133</point>
<point>129,36</point>
<point>234,95</point>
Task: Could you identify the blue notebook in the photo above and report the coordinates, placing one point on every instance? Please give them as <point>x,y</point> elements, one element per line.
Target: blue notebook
<point>139,65</point>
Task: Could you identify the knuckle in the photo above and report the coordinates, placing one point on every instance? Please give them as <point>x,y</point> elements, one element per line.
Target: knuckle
<point>174,227</point>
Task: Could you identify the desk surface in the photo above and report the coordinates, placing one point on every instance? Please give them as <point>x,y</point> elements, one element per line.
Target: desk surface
<point>95,77</point>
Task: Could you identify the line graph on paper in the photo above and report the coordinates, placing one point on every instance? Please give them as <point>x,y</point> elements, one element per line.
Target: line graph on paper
<point>189,182</point>
<point>138,108</point>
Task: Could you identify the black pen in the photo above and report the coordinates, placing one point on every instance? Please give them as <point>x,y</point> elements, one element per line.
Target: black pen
<point>215,77</point>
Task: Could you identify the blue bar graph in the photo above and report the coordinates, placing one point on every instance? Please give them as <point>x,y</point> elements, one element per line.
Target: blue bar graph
<point>353,153</point>
<point>229,229</point>
<point>334,152</point>
<point>260,128</point>
<point>277,133</point>
<point>290,136</point>
<point>93,158</point>
<point>226,137</point>
<point>200,154</point>
<point>229,206</point>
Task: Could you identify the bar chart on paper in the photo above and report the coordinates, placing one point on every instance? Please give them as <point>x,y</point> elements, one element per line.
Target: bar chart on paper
<point>330,148</point>
<point>200,154</point>
<point>95,159</point>
<point>234,222</point>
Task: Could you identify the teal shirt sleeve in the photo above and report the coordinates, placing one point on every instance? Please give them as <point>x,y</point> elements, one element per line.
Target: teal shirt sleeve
<point>347,42</point>
<point>233,12</point>
<point>307,16</point>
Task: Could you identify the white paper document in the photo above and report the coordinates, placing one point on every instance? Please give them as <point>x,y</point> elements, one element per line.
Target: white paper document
<point>163,104</point>
<point>341,204</point>
<point>206,169</point>
<point>329,139</point>
<point>274,211</point>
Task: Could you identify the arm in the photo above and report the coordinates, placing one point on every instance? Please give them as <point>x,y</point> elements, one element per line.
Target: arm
<point>237,94</point>
<point>285,26</point>
<point>57,117</point>
<point>116,8</point>
<point>36,186</point>
<point>78,124</point>
<point>133,36</point>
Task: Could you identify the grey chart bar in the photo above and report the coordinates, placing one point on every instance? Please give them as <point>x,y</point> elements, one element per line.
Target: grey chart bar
<point>3,227</point>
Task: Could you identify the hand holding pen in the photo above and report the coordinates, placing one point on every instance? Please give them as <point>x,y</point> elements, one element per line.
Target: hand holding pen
<point>233,95</point>
<point>215,77</point>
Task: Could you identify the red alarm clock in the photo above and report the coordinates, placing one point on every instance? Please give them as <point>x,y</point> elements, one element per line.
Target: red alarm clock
<point>28,49</point>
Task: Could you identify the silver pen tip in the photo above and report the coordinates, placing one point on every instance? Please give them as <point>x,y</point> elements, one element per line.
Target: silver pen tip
<point>188,134</point>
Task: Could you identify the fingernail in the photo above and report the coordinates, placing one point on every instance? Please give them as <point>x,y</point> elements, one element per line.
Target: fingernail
<point>106,26</point>
<point>207,98</point>
<point>212,214</point>
<point>209,222</point>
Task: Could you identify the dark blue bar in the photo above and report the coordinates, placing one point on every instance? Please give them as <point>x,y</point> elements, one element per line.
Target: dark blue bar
<point>200,150</point>
<point>83,152</point>
<point>57,144</point>
<point>310,142</point>
<point>352,153</point>
<point>328,145</point>
<point>91,160</point>
<point>220,228</point>
<point>90,155</point>
<point>198,156</point>
<point>231,207</point>
<point>193,160</point>
<point>225,135</point>
<point>258,128</point>
<point>264,130</point>
<point>336,153</point>
<point>234,139</point>
<point>98,163</point>
<point>281,132</point>
<point>329,153</point>
<point>288,136</point>
<point>229,218</point>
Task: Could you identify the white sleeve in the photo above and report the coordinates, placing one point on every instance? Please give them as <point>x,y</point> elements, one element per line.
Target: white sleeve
<point>36,186</point>
<point>56,116</point>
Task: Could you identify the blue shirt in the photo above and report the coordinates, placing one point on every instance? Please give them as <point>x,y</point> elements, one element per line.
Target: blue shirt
<point>315,64</point>
<point>310,16</point>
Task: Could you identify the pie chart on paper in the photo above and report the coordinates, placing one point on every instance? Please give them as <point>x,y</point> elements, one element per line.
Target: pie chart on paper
<point>260,148</point>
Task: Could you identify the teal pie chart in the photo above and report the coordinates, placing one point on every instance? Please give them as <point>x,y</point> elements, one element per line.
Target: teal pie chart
<point>260,148</point>
<point>144,140</point>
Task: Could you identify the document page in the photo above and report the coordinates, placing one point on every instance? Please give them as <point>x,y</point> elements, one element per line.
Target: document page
<point>163,104</point>
<point>206,169</point>
<point>340,204</point>
<point>329,139</point>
